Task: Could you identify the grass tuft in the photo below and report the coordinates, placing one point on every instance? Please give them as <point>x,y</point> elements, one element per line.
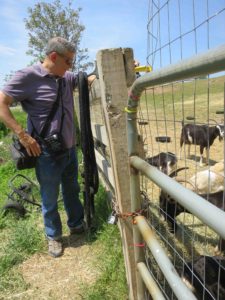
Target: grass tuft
<point>22,239</point>
<point>26,238</point>
<point>109,260</point>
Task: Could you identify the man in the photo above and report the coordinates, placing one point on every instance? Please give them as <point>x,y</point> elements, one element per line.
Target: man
<point>36,87</point>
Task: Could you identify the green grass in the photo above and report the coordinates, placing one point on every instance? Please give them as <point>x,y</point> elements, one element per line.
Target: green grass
<point>199,87</point>
<point>19,239</point>
<point>187,99</point>
<point>108,256</point>
<point>20,115</point>
<point>109,261</point>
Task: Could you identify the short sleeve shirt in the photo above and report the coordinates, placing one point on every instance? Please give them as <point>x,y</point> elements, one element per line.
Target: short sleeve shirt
<point>37,90</point>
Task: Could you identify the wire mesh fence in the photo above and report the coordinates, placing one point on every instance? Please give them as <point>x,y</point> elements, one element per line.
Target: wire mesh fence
<point>179,29</point>
<point>173,117</point>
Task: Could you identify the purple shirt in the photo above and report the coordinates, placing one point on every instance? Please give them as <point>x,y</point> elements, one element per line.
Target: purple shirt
<point>36,89</point>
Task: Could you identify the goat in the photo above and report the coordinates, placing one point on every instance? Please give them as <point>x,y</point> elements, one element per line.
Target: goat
<point>170,209</point>
<point>209,181</point>
<point>201,135</point>
<point>164,161</point>
<point>206,277</point>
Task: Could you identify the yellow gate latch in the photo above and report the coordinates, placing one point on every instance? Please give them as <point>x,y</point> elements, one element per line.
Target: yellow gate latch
<point>143,69</point>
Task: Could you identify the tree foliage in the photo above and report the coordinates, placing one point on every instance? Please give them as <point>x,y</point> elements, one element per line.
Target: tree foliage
<point>47,20</point>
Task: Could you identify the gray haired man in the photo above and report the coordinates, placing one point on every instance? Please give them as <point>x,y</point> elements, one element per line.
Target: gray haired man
<point>36,88</point>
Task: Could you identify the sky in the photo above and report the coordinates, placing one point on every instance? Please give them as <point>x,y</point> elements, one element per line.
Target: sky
<point>108,24</point>
<point>123,23</point>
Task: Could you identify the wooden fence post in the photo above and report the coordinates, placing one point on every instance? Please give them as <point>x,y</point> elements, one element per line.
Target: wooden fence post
<point>113,85</point>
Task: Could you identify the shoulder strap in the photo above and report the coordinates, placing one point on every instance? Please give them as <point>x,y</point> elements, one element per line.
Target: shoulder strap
<point>54,109</point>
<point>52,112</point>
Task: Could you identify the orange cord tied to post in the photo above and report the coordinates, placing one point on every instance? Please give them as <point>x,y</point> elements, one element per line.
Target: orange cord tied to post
<point>131,215</point>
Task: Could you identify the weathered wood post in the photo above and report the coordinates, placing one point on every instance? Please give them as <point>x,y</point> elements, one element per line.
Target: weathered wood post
<point>115,67</point>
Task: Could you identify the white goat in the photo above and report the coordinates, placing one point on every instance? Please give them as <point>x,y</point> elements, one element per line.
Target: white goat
<point>209,181</point>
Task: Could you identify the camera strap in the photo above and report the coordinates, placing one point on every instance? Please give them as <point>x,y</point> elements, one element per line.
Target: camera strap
<point>53,111</point>
<point>55,107</point>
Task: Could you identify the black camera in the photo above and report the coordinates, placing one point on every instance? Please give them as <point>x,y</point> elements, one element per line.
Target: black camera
<point>54,143</point>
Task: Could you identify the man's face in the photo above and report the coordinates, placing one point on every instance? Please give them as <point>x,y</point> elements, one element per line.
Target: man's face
<point>62,62</point>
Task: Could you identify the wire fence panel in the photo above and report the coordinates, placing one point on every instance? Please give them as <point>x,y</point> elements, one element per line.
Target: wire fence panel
<point>182,126</point>
<point>178,29</point>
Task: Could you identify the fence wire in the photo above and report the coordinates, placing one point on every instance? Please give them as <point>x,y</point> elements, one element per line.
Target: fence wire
<point>179,29</point>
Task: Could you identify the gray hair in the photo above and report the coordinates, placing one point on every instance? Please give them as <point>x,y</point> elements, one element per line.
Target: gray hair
<point>59,45</point>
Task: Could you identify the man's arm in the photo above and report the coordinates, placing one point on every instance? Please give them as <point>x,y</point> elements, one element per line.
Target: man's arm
<point>6,115</point>
<point>8,119</point>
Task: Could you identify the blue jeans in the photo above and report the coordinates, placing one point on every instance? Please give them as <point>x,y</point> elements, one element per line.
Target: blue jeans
<point>51,172</point>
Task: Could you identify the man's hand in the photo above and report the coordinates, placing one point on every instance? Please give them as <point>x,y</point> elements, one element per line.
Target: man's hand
<point>31,145</point>
<point>6,116</point>
<point>91,78</point>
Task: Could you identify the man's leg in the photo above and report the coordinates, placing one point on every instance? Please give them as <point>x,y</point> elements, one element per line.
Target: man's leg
<point>48,173</point>
<point>70,191</point>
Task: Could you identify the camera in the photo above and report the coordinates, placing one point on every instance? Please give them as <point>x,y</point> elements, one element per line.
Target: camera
<point>54,143</point>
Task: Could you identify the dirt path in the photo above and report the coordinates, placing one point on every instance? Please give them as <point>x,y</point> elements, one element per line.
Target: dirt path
<point>59,278</point>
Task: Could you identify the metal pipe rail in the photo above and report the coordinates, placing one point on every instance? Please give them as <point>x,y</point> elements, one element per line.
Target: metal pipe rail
<point>150,282</point>
<point>201,208</point>
<point>173,278</point>
<point>209,62</point>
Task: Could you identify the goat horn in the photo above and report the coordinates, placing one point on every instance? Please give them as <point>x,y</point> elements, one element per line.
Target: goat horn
<point>174,173</point>
<point>180,179</point>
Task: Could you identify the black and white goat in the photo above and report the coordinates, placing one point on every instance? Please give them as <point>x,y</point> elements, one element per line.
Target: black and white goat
<point>164,161</point>
<point>201,135</point>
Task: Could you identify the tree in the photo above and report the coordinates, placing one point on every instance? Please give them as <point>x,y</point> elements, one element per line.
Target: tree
<point>47,20</point>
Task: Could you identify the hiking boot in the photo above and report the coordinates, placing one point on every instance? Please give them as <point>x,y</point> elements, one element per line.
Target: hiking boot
<point>55,248</point>
<point>78,229</point>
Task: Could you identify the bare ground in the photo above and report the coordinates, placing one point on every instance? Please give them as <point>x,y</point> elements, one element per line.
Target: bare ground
<point>59,278</point>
